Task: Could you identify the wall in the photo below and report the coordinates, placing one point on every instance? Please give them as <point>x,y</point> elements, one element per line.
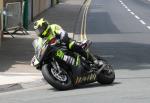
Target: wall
<point>1,20</point>
<point>39,6</point>
<point>29,10</point>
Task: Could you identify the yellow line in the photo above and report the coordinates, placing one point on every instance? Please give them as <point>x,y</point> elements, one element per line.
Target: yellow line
<point>84,22</point>
<point>85,18</point>
<point>82,25</point>
<point>85,25</point>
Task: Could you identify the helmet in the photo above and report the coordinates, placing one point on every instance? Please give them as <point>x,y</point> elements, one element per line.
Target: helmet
<point>40,27</point>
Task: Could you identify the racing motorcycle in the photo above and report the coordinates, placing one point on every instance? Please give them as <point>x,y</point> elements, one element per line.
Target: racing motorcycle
<point>63,76</point>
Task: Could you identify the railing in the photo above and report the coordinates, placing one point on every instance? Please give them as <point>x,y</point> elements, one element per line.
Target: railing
<point>13,18</point>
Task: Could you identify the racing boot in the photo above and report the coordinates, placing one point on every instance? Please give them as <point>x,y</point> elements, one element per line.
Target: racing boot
<point>94,60</point>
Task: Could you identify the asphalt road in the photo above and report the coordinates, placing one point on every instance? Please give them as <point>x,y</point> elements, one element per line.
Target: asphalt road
<point>120,32</point>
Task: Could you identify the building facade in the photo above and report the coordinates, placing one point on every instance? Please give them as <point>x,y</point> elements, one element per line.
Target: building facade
<point>1,19</point>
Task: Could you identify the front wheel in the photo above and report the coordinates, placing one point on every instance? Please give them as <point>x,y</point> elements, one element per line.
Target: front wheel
<point>60,81</point>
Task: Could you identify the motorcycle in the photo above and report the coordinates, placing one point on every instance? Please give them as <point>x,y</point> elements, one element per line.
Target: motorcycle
<point>63,76</point>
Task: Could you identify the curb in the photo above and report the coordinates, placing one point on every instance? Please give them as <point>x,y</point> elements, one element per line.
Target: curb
<point>10,87</point>
<point>21,86</point>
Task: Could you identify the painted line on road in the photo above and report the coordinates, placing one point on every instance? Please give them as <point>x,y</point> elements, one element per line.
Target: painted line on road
<point>120,1</point>
<point>142,22</point>
<point>148,27</point>
<point>137,17</point>
<point>128,10</point>
<point>131,12</point>
<point>84,21</point>
<point>125,6</point>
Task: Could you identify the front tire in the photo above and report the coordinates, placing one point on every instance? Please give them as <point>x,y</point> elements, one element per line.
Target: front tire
<point>50,78</point>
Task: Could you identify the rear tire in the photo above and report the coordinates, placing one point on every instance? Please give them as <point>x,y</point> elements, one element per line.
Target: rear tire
<point>49,77</point>
<point>107,74</point>
<point>105,77</point>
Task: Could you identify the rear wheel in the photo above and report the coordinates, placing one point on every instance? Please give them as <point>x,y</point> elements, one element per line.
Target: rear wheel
<point>60,81</point>
<point>107,74</point>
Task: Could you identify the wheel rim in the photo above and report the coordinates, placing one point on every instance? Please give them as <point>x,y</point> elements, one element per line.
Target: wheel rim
<point>61,76</point>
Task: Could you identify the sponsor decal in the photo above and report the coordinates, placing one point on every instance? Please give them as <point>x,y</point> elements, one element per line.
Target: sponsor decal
<point>84,79</point>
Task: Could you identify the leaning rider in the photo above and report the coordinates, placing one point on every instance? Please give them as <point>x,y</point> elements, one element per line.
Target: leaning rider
<point>48,31</point>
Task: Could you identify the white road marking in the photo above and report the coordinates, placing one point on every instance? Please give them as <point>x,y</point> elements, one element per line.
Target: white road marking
<point>148,27</point>
<point>128,9</point>
<point>137,17</point>
<point>142,22</point>
<point>131,12</point>
<point>125,6</point>
<point>120,1</point>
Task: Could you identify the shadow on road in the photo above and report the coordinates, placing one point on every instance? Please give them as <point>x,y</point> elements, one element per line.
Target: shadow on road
<point>16,53</point>
<point>91,85</point>
<point>124,55</point>
<point>101,23</point>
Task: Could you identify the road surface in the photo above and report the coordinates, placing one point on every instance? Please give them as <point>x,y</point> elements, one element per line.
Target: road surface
<point>120,31</point>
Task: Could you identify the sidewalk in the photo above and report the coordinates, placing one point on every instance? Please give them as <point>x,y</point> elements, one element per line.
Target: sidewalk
<point>65,14</point>
<point>15,54</point>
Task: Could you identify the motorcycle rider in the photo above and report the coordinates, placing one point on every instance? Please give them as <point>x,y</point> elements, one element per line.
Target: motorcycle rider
<point>50,32</point>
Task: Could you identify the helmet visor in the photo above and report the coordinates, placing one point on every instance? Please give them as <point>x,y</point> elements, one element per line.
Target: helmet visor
<point>39,31</point>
